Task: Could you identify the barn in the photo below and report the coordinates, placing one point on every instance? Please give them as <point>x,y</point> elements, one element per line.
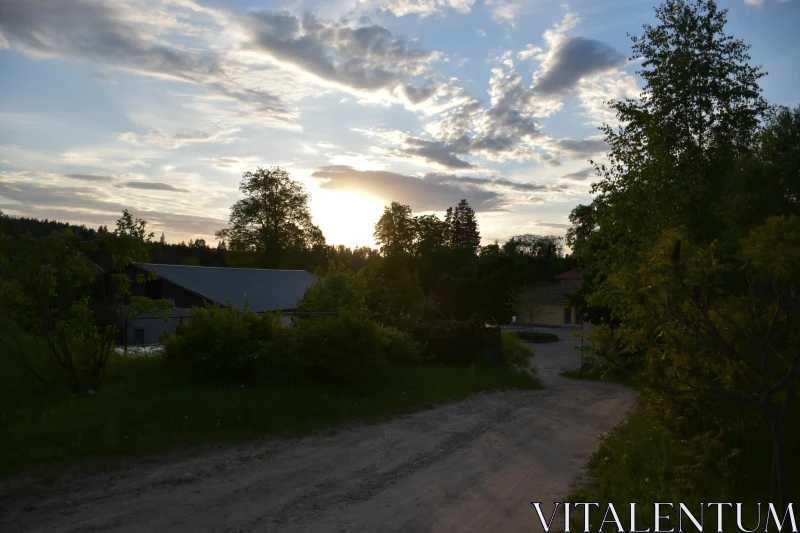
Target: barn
<point>261,290</point>
<point>549,305</point>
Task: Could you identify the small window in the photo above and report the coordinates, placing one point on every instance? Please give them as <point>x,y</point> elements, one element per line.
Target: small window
<point>567,315</point>
<point>138,337</point>
<point>578,317</point>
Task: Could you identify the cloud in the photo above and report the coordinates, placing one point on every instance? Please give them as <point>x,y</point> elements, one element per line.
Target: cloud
<point>425,8</point>
<point>140,37</point>
<point>214,134</point>
<point>436,152</point>
<point>430,193</point>
<point>34,196</point>
<point>150,186</point>
<point>103,77</point>
<point>365,59</point>
<point>577,148</point>
<point>28,194</point>
<point>506,129</point>
<point>505,10</point>
<point>492,183</point>
<point>595,91</point>
<point>89,177</point>
<point>574,59</point>
<point>530,52</point>
<point>580,175</point>
<point>481,32</point>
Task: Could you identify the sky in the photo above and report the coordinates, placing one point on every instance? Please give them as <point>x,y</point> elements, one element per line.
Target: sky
<point>159,106</point>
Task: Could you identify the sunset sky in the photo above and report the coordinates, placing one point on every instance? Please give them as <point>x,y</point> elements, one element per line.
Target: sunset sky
<point>158,106</point>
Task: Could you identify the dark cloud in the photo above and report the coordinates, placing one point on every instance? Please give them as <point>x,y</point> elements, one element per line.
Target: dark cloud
<point>580,148</point>
<point>92,206</point>
<point>150,186</point>
<point>108,33</point>
<point>29,195</point>
<point>430,193</point>
<point>579,175</point>
<point>489,183</point>
<point>368,58</point>
<point>437,152</point>
<point>574,59</point>
<point>89,177</point>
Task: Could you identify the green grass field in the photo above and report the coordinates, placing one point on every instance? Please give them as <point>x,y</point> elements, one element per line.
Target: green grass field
<point>143,409</point>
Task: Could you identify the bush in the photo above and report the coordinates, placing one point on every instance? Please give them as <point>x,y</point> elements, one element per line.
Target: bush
<point>394,300</point>
<point>536,336</point>
<point>338,290</point>
<point>346,346</point>
<point>224,344</point>
<point>513,351</point>
<point>451,340</point>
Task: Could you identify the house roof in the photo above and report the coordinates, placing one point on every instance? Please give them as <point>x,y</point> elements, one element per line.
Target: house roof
<point>570,274</point>
<point>263,290</point>
<point>555,293</point>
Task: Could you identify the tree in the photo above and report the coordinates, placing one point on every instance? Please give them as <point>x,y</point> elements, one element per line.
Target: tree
<point>712,340</point>
<point>541,246</point>
<point>272,219</point>
<point>528,305</point>
<point>464,226</point>
<point>395,232</point>
<point>678,144</point>
<point>52,303</point>
<point>430,235</point>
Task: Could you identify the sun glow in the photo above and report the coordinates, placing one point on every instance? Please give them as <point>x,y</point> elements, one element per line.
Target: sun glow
<point>346,217</point>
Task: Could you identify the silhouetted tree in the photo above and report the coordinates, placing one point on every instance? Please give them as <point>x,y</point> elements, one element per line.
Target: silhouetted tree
<point>272,219</point>
<point>395,231</point>
<point>464,226</point>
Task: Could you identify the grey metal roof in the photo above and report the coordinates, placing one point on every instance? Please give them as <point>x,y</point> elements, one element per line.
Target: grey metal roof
<point>264,290</point>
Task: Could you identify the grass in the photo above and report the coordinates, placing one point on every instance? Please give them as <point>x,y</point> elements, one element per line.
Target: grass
<point>641,461</point>
<point>536,336</point>
<point>144,409</point>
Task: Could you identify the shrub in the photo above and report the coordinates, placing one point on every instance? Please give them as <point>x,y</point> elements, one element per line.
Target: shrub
<point>338,290</point>
<point>513,351</point>
<point>394,300</point>
<point>401,347</point>
<point>536,336</point>
<point>342,347</point>
<point>451,340</point>
<point>221,343</point>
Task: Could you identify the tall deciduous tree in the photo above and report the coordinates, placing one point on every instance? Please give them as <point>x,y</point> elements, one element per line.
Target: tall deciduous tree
<point>273,219</point>
<point>395,231</point>
<point>431,235</point>
<point>671,159</point>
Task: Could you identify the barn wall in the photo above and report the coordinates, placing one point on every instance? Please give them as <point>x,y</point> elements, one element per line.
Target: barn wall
<point>552,315</point>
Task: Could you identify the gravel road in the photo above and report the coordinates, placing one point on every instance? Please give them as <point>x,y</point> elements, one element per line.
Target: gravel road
<point>472,466</point>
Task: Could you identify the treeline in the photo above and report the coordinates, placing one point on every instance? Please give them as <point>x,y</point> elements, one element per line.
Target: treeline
<point>690,254</point>
<point>438,257</point>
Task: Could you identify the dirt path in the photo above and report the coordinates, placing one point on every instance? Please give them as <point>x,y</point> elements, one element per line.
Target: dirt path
<point>470,466</point>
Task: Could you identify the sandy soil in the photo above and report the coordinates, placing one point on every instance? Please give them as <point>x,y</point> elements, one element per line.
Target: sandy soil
<point>470,466</point>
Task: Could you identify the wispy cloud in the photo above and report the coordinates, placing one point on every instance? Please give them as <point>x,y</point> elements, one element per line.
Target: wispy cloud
<point>425,8</point>
<point>215,134</point>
